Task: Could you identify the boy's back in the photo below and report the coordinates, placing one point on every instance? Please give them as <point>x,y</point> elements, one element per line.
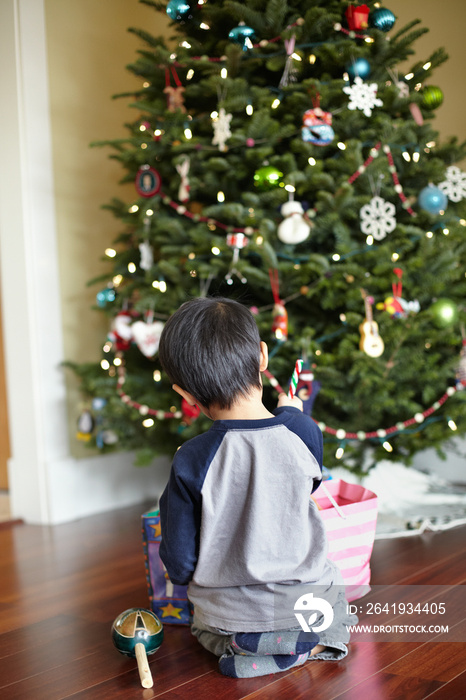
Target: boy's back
<point>249,485</point>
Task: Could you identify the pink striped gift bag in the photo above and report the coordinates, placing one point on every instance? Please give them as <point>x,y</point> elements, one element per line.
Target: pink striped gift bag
<point>350,523</point>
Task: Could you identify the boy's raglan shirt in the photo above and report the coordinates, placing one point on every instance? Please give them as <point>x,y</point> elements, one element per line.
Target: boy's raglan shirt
<point>237,518</point>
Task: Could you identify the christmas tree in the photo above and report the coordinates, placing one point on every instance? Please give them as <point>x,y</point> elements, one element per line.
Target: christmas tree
<point>281,159</point>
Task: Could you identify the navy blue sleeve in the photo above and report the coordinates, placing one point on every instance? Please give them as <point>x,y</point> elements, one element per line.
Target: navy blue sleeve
<point>309,432</point>
<point>181,506</point>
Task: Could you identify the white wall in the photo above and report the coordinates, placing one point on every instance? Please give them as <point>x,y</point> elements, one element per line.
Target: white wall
<point>47,485</point>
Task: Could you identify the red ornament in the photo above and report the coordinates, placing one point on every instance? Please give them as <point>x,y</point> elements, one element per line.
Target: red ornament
<point>190,413</point>
<point>357,17</point>
<point>280,315</point>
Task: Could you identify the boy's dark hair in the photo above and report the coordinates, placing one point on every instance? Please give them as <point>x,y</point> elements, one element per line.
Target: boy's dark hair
<point>210,347</point>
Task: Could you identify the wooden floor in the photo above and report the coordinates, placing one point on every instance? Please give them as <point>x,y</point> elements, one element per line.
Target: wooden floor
<point>61,587</point>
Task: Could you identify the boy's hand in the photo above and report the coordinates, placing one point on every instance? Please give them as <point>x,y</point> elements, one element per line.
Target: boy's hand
<point>284,400</point>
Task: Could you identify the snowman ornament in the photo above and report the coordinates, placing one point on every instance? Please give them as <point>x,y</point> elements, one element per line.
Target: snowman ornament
<point>296,226</point>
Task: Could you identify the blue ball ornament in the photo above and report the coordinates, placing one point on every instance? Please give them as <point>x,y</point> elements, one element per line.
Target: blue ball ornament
<point>242,34</point>
<point>359,67</point>
<point>432,200</point>
<point>178,10</point>
<point>382,18</point>
<point>104,296</point>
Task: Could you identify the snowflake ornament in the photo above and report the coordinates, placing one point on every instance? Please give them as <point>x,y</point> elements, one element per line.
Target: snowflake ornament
<point>222,131</point>
<point>363,96</point>
<point>378,218</point>
<point>455,184</point>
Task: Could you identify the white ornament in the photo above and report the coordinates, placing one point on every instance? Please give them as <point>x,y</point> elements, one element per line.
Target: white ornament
<point>222,131</point>
<point>183,170</point>
<point>147,336</point>
<point>294,228</point>
<point>120,326</point>
<point>147,257</point>
<point>363,96</point>
<point>378,218</point>
<point>454,186</point>
<point>403,88</point>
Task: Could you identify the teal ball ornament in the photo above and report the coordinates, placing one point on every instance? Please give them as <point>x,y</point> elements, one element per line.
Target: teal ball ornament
<point>105,296</point>
<point>432,199</point>
<point>432,97</point>
<point>382,18</point>
<point>359,67</point>
<point>243,35</point>
<point>267,177</point>
<point>444,312</point>
<point>178,10</point>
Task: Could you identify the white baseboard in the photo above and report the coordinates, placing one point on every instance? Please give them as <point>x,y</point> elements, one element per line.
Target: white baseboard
<point>77,488</point>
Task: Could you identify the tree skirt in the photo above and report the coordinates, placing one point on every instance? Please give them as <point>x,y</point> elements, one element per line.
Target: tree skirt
<point>410,501</point>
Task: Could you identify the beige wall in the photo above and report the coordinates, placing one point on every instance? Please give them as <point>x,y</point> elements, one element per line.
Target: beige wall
<point>88,49</point>
<point>447,23</point>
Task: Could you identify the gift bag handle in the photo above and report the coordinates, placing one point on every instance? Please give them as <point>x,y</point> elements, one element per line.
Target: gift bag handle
<point>332,500</point>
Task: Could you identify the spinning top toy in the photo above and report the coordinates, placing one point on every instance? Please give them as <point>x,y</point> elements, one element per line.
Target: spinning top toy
<point>137,632</point>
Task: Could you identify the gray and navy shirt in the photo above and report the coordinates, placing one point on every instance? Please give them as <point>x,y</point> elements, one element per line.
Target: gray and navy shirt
<point>237,518</point>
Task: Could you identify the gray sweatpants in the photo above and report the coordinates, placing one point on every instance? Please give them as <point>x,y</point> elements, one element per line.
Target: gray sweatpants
<point>335,638</point>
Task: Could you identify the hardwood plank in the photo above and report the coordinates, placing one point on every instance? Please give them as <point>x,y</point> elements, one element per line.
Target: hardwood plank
<point>453,690</point>
<point>61,587</point>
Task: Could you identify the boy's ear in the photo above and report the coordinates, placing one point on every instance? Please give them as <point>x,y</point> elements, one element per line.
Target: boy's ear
<point>264,361</point>
<point>189,398</point>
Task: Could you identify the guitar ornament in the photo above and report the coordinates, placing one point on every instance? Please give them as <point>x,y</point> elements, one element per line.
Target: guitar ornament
<point>371,343</point>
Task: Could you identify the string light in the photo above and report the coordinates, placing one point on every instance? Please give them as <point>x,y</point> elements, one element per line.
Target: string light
<point>275,103</point>
<point>158,133</point>
<point>149,212</point>
<point>215,250</point>
<point>311,161</point>
<point>249,109</point>
<point>185,44</point>
<point>131,267</point>
<point>143,145</point>
<point>340,452</point>
<point>188,133</point>
<point>406,156</point>
<point>157,375</point>
<point>335,257</point>
<point>117,280</point>
<point>224,73</point>
<point>427,65</point>
<point>296,57</point>
<point>341,146</point>
<point>312,59</point>
<point>148,422</point>
<point>205,26</point>
<point>446,231</point>
<point>370,240</point>
<point>452,425</point>
<point>220,196</point>
<point>117,361</point>
<point>110,252</point>
<point>408,76</point>
<point>416,156</point>
<point>190,74</point>
<point>105,364</point>
<point>386,445</point>
<point>429,234</point>
<point>290,188</point>
<point>133,209</point>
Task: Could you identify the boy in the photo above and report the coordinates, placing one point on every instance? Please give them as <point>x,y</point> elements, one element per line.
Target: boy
<point>238,524</point>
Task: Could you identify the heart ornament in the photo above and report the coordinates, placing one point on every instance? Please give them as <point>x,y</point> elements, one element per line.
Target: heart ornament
<point>147,336</point>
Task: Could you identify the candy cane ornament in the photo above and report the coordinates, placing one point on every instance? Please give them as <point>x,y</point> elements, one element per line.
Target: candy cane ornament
<point>294,378</point>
